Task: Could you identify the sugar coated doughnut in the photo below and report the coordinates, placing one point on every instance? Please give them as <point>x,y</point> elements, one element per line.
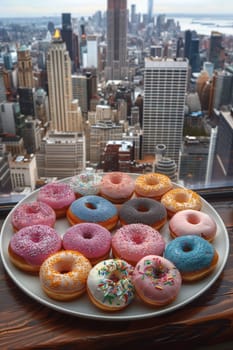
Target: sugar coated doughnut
<point>157,281</point>
<point>33,213</point>
<point>63,275</point>
<point>109,285</point>
<point>94,209</point>
<point>152,185</point>
<point>58,195</point>
<point>143,210</point>
<point>134,241</point>
<point>180,199</point>
<point>92,240</point>
<point>86,183</point>
<point>117,187</point>
<point>31,245</point>
<point>193,222</point>
<point>194,257</point>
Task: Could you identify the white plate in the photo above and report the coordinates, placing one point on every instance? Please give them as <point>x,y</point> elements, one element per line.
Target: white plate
<point>82,307</point>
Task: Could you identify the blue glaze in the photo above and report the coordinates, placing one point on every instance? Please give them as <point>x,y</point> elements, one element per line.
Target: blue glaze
<point>189,253</point>
<point>93,208</point>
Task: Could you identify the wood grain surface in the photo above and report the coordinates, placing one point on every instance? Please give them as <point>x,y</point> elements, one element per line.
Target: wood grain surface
<point>26,324</point>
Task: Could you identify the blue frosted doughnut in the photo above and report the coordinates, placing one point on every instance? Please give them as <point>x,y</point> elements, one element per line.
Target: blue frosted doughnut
<point>93,209</point>
<point>191,254</point>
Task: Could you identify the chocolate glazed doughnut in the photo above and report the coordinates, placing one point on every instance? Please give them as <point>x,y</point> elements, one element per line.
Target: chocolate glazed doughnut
<point>143,210</point>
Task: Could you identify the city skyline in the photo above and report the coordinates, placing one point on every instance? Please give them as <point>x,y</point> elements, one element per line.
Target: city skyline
<point>25,8</point>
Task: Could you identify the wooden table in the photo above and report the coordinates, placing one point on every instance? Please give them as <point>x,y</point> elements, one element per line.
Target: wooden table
<point>26,324</point>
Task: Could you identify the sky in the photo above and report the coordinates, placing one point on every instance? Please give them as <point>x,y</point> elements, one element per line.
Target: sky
<point>26,8</point>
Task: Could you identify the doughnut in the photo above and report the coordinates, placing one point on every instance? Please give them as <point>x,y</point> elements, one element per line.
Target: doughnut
<point>117,187</point>
<point>58,195</point>
<point>180,199</point>
<point>63,275</point>
<point>193,222</point>
<point>194,257</point>
<point>134,241</point>
<point>157,281</point>
<point>152,185</point>
<point>92,240</point>
<point>33,213</point>
<point>94,209</point>
<point>109,285</point>
<point>85,184</point>
<point>143,210</point>
<point>31,245</point>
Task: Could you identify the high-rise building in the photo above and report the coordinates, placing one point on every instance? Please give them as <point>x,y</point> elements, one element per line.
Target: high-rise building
<point>165,85</point>
<point>92,51</point>
<point>61,155</point>
<point>65,112</point>
<point>100,134</point>
<point>223,162</point>
<point>150,12</point>
<point>27,101</point>
<point>66,32</point>
<point>84,89</point>
<point>25,72</point>
<point>23,171</point>
<point>222,89</point>
<point>117,19</point>
<point>32,135</point>
<point>216,50</point>
<point>11,120</point>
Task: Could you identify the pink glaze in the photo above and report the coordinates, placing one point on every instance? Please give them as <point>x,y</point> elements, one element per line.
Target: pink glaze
<point>117,185</point>
<point>157,281</point>
<point>193,222</point>
<point>132,242</point>
<point>33,213</point>
<point>35,243</point>
<point>90,239</point>
<point>56,194</point>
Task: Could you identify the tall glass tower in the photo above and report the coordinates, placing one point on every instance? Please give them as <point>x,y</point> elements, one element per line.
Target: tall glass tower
<point>150,10</point>
<point>117,19</point>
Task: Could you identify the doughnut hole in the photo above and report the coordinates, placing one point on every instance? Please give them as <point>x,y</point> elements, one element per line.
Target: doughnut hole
<point>90,205</point>
<point>87,235</point>
<point>152,181</point>
<point>193,219</point>
<point>114,277</point>
<point>143,209</point>
<point>65,266</point>
<point>137,239</point>
<point>187,248</point>
<point>115,179</point>
<point>181,197</point>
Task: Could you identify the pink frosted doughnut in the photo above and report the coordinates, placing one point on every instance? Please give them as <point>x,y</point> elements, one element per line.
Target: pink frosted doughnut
<point>58,195</point>
<point>157,281</point>
<point>33,213</point>
<point>90,239</point>
<point>134,241</point>
<point>192,222</point>
<point>117,187</point>
<point>31,245</point>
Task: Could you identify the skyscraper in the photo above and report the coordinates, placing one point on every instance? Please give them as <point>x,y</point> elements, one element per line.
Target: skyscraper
<point>25,75</point>
<point>117,19</point>
<point>165,83</point>
<point>64,111</point>
<point>150,10</point>
<point>216,50</point>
